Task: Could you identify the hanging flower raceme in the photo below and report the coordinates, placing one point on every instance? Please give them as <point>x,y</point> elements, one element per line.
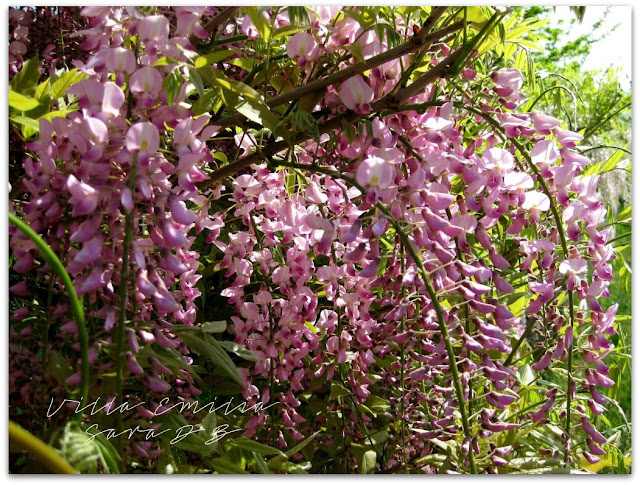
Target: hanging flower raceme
<point>116,172</point>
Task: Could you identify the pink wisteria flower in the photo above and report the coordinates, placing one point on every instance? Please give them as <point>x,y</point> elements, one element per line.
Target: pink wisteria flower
<point>356,94</point>
<point>120,60</point>
<point>534,200</point>
<point>303,49</point>
<point>154,28</point>
<point>315,291</point>
<point>572,268</point>
<point>517,181</point>
<point>375,173</point>
<point>498,159</point>
<point>544,123</point>
<point>146,80</point>
<point>112,101</point>
<point>509,80</point>
<point>84,198</point>
<point>567,138</point>
<point>143,137</point>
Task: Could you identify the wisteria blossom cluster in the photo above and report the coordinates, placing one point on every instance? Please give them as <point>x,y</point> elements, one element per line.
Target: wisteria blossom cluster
<point>392,275</point>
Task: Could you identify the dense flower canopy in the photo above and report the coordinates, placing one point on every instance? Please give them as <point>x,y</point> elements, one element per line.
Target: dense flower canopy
<point>398,256</point>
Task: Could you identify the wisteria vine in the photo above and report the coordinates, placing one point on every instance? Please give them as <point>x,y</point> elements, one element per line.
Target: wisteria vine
<point>406,255</point>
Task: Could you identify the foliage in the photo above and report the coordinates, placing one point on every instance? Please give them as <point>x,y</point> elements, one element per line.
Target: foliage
<point>310,240</point>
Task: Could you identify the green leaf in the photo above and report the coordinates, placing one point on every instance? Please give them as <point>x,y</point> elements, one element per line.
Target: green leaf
<point>368,462</point>
<point>525,374</point>
<point>625,215</point>
<point>217,326</point>
<point>378,437</point>
<point>166,463</point>
<point>33,124</point>
<point>165,61</point>
<point>349,132</point>
<point>338,390</point>
<point>211,349</point>
<point>299,446</point>
<point>206,103</point>
<point>261,114</point>
<point>26,81</point>
<point>239,350</point>
<point>64,82</point>
<point>209,425</point>
<point>287,30</point>
<point>248,102</point>
<point>526,463</point>
<point>298,15</point>
<point>56,114</point>
<point>614,160</point>
<point>475,15</point>
<point>183,435</point>
<point>172,85</point>
<point>221,465</point>
<point>43,90</point>
<point>243,63</point>
<point>236,86</point>
<point>260,464</point>
<point>250,445</point>
<point>27,123</point>
<point>21,102</point>
<point>214,57</point>
<point>356,50</point>
<point>378,404</point>
<point>433,459</point>
<point>592,169</point>
<point>111,458</point>
<point>294,468</point>
<point>221,157</point>
<point>58,367</point>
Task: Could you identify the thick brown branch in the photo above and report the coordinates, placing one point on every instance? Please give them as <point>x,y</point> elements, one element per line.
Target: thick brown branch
<point>390,101</point>
<point>273,148</point>
<point>458,57</point>
<point>416,43</point>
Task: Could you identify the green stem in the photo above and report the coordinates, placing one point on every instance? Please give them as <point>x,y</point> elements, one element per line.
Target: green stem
<point>588,149</point>
<point>122,292</point>
<point>617,238</point>
<point>43,453</point>
<point>441,323</point>
<point>524,335</point>
<point>76,303</point>
<point>552,88</point>
<point>591,130</point>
